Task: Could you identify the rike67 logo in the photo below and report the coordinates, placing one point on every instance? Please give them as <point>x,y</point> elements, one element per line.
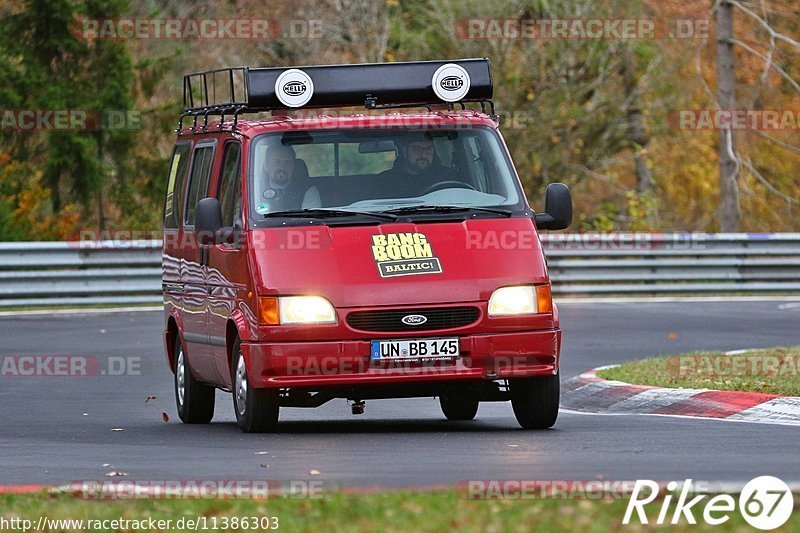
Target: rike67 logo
<point>765,503</point>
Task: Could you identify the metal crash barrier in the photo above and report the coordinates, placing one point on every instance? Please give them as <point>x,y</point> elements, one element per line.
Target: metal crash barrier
<point>48,274</point>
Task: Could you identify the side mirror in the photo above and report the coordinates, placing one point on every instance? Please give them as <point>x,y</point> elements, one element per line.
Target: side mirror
<point>208,221</point>
<point>557,208</point>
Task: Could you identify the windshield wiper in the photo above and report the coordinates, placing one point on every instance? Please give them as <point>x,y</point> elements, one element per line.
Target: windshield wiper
<point>328,213</point>
<point>412,209</point>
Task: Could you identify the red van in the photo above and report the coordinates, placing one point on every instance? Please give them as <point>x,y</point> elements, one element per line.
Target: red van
<point>311,255</point>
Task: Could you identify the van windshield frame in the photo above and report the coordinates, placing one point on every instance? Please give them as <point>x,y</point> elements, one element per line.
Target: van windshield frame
<point>375,170</point>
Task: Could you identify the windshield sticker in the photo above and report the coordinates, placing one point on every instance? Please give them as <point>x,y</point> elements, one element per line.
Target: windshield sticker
<point>404,254</point>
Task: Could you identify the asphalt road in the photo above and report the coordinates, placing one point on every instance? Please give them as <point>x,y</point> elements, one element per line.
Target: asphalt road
<point>59,429</point>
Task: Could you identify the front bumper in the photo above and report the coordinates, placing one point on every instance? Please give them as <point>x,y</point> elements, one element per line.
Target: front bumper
<point>341,363</point>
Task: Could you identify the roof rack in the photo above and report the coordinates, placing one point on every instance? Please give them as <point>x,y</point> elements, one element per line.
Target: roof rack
<point>237,90</point>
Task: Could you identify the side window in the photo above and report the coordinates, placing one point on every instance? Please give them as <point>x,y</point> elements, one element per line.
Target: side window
<point>177,175</point>
<point>229,190</point>
<point>198,183</point>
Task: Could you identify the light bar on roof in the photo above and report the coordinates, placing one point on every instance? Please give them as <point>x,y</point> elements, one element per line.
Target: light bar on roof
<point>371,85</point>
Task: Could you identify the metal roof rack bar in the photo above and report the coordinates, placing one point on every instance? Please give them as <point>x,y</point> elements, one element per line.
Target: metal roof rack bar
<point>385,84</point>
<point>239,90</point>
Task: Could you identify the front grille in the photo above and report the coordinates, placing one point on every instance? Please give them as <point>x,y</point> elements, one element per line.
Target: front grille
<point>392,320</point>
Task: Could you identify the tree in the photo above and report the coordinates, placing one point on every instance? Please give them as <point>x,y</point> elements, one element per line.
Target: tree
<point>53,69</point>
<point>732,162</point>
<point>729,210</point>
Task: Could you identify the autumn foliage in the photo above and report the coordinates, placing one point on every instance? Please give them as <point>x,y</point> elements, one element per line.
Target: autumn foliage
<point>597,114</point>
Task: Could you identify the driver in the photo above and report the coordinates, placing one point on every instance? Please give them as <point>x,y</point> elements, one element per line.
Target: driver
<point>416,168</point>
<point>283,191</point>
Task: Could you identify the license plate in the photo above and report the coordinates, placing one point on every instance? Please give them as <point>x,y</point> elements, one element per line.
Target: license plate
<point>415,349</point>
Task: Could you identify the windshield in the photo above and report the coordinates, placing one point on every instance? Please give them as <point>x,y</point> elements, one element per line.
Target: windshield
<point>369,171</point>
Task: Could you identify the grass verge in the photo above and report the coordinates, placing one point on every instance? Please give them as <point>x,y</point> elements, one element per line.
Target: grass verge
<point>443,510</point>
<point>771,371</point>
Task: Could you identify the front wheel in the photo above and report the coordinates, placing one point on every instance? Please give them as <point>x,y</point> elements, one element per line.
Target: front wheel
<point>535,401</point>
<point>195,400</point>
<point>256,409</point>
<point>458,407</point>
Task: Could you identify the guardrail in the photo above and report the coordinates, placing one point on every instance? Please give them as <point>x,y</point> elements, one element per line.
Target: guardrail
<point>673,263</point>
<point>42,274</point>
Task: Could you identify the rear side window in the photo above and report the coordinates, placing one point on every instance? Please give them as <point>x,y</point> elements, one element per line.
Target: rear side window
<point>177,175</point>
<point>230,185</point>
<point>198,183</point>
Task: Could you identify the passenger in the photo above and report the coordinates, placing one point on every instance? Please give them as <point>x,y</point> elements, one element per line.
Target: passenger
<point>284,189</point>
<point>416,168</point>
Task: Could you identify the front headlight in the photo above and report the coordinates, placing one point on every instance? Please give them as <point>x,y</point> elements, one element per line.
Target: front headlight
<point>520,300</point>
<point>305,310</point>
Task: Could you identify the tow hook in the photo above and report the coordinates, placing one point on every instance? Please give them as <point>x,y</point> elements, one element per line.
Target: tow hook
<point>357,407</point>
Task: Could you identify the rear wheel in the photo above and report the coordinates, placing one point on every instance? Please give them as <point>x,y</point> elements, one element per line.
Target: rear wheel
<point>256,409</point>
<point>535,401</point>
<point>195,400</point>
<point>457,407</point>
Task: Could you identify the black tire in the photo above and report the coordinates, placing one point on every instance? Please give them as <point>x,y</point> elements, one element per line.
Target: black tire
<point>535,401</point>
<point>195,400</point>
<point>256,408</point>
<point>457,407</point>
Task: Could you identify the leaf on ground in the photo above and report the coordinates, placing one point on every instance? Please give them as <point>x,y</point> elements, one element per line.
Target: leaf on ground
<point>165,417</point>
<point>150,398</point>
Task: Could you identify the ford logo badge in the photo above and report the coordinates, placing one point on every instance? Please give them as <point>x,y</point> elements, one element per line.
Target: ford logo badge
<point>451,83</point>
<point>414,320</point>
<point>294,88</point>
